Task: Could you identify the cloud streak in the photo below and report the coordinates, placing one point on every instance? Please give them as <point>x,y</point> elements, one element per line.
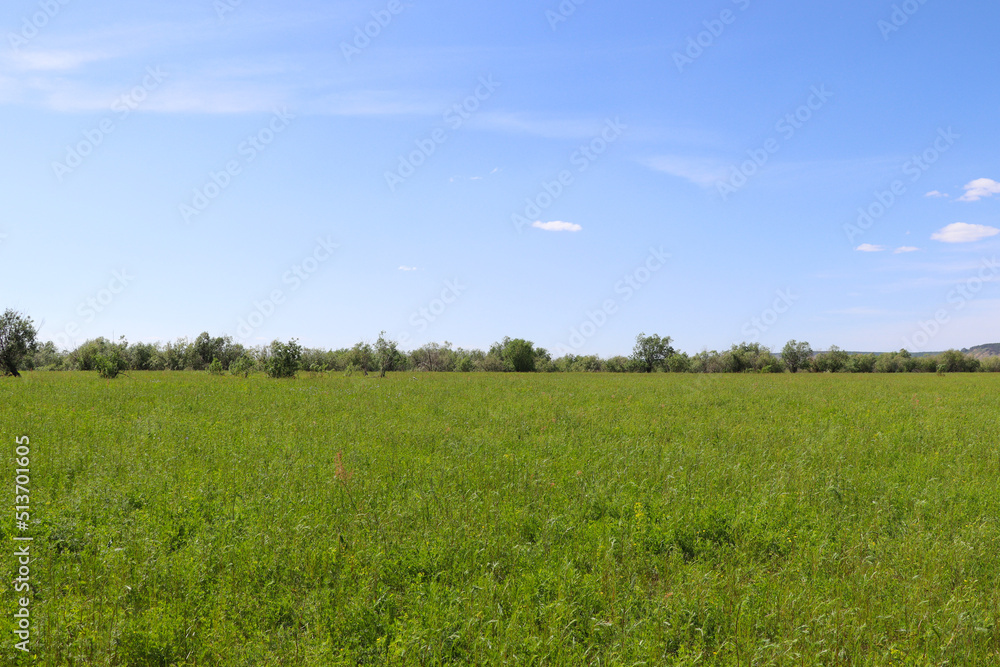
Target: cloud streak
<point>700,171</point>
<point>557,226</point>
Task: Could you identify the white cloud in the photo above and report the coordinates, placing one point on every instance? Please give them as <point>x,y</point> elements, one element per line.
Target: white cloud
<point>700,171</point>
<point>905,248</point>
<point>961,232</point>
<point>51,60</point>
<point>935,193</point>
<point>980,189</point>
<point>868,247</point>
<point>407,268</point>
<point>557,226</point>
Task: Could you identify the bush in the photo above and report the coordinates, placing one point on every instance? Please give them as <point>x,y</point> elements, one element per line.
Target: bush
<point>679,363</point>
<point>110,365</point>
<point>618,364</point>
<point>243,365</point>
<point>990,365</point>
<point>515,354</point>
<point>285,359</point>
<point>215,368</point>
<point>387,356</point>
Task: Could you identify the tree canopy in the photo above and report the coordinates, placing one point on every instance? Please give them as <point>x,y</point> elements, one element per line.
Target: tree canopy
<point>17,340</point>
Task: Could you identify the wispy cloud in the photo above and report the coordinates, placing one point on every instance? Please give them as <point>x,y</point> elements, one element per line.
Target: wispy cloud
<point>454,179</point>
<point>557,226</point>
<point>868,247</point>
<point>935,193</point>
<point>529,124</point>
<point>49,61</point>
<point>700,171</point>
<point>961,232</point>
<point>407,268</point>
<point>376,103</point>
<point>904,249</point>
<point>869,312</point>
<point>980,188</point>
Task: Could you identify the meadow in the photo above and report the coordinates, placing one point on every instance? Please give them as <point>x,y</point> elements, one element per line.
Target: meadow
<point>499,519</point>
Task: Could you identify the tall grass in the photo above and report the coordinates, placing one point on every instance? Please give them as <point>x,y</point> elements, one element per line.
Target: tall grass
<point>191,519</point>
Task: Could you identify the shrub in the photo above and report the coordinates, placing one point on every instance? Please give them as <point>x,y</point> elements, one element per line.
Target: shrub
<point>285,359</point>
<point>110,365</point>
<point>243,365</point>
<point>215,368</point>
<point>990,364</point>
<point>515,354</point>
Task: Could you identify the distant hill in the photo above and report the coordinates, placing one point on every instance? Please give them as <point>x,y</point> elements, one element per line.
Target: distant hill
<point>980,351</point>
<point>977,352</point>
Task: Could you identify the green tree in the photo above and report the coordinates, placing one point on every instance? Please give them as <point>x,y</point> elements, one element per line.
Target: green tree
<point>113,362</point>
<point>361,356</point>
<point>750,357</point>
<point>47,357</point>
<point>833,361</point>
<point>516,354</point>
<point>284,359</point>
<point>387,356</point>
<point>650,352</point>
<point>796,355</point>
<point>17,341</point>
<point>244,366</point>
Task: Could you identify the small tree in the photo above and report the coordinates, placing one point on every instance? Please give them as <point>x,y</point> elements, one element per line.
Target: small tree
<point>361,356</point>
<point>215,368</point>
<point>833,361</point>
<point>244,365</point>
<point>284,360</point>
<point>650,352</point>
<point>796,355</point>
<point>516,354</point>
<point>387,357</point>
<point>113,362</point>
<point>17,341</point>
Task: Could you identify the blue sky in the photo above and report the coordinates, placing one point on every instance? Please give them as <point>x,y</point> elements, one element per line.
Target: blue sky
<point>716,172</point>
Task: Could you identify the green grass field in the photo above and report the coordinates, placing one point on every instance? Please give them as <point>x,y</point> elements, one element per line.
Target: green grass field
<point>188,519</point>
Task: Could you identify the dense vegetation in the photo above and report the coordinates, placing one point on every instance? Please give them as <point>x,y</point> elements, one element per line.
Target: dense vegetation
<point>651,354</point>
<point>201,519</point>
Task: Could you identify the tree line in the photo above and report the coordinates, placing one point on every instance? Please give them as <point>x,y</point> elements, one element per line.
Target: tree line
<point>652,353</point>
